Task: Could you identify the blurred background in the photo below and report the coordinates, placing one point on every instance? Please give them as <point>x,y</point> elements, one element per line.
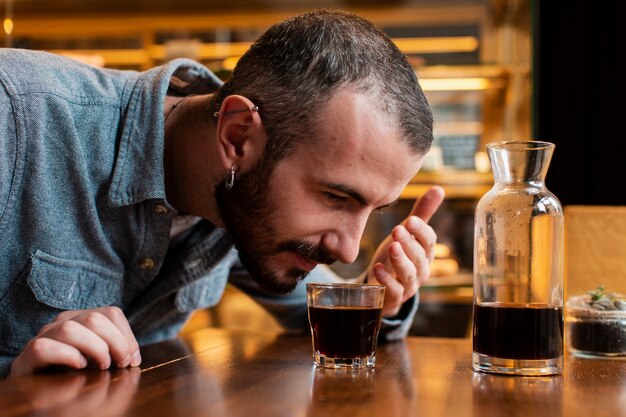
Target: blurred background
<point>491,70</point>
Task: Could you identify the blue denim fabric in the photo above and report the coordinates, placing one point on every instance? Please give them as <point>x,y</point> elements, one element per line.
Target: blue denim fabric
<point>81,197</point>
<point>81,175</point>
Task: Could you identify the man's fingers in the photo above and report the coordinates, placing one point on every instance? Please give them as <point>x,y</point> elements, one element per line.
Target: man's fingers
<point>428,203</point>
<point>408,253</point>
<point>42,352</point>
<point>101,332</point>
<point>80,334</point>
<point>116,315</point>
<point>422,233</point>
<point>111,324</point>
<point>393,290</point>
<point>404,269</point>
<point>66,315</point>
<point>417,248</point>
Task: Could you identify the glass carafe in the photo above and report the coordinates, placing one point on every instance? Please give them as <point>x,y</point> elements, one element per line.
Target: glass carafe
<point>518,265</point>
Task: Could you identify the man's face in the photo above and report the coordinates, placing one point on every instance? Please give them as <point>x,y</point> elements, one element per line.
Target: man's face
<point>312,206</point>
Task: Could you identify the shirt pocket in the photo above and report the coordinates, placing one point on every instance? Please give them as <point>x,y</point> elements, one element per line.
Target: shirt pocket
<point>47,286</point>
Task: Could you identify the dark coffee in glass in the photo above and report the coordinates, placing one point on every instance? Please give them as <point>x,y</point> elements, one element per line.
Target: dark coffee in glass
<point>345,320</point>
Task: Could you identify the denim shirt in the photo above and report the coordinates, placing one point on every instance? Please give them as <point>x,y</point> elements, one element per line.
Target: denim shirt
<point>84,218</point>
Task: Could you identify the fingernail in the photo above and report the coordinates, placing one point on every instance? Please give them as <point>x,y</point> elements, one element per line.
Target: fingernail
<point>136,360</point>
<point>82,363</point>
<point>106,364</point>
<point>125,362</point>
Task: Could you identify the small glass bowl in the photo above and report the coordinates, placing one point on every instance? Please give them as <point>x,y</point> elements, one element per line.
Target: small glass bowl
<point>595,333</point>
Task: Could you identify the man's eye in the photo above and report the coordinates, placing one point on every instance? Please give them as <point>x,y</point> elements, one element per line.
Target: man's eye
<point>335,198</point>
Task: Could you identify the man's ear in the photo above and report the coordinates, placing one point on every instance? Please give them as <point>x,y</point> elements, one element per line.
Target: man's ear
<point>240,133</point>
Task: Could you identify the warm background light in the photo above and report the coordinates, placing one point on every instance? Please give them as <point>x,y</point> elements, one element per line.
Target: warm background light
<point>230,63</point>
<point>454,84</point>
<point>437,45</point>
<point>8,26</point>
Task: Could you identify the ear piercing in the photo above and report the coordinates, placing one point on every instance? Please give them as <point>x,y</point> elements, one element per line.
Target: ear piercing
<point>226,113</point>
<point>229,181</point>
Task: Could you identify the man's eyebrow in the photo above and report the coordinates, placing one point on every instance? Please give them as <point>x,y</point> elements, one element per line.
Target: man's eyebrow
<point>346,189</point>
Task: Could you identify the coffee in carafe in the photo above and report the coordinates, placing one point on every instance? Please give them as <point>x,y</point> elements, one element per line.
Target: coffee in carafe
<point>518,266</point>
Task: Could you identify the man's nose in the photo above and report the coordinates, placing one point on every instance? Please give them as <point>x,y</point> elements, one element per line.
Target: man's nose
<point>344,242</point>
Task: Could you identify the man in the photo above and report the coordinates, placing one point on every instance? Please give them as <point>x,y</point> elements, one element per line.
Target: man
<point>123,193</point>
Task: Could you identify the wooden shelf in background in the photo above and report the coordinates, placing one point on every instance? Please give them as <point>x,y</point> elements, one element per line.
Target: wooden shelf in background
<point>456,183</point>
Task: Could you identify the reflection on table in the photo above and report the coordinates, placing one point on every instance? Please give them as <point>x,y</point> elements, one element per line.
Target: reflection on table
<point>221,372</point>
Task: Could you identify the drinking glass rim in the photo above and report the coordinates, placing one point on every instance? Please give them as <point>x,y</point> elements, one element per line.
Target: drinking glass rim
<point>521,145</point>
<point>343,285</point>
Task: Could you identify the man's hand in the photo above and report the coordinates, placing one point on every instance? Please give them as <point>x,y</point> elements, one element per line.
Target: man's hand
<point>101,335</point>
<point>401,262</point>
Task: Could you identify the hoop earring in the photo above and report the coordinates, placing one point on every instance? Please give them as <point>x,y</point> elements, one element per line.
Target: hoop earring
<point>229,181</point>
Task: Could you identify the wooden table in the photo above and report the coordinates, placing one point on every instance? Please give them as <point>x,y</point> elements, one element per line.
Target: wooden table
<point>215,372</point>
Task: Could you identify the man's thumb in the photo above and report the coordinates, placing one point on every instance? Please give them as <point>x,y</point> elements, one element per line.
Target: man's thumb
<point>428,203</point>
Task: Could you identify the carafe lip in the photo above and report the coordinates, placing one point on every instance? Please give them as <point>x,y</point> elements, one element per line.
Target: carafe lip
<point>521,145</point>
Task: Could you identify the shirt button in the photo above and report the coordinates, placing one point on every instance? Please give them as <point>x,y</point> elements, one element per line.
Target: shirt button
<point>147,263</point>
<point>160,209</point>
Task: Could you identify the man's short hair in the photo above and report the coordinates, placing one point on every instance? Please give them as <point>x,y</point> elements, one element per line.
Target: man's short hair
<point>293,69</point>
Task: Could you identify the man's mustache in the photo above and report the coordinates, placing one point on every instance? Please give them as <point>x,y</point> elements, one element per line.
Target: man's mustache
<point>308,250</point>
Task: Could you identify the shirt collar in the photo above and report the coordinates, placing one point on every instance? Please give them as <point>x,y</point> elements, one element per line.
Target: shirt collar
<point>139,172</point>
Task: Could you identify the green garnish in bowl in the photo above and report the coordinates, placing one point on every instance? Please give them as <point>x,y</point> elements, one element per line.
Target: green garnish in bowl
<point>599,299</point>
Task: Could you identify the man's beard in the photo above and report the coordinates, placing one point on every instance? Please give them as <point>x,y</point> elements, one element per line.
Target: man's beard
<point>248,215</point>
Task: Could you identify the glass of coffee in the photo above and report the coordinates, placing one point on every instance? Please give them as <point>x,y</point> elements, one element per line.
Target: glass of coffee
<point>345,321</point>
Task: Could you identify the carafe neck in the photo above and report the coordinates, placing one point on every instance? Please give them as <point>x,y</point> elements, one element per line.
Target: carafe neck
<point>520,161</point>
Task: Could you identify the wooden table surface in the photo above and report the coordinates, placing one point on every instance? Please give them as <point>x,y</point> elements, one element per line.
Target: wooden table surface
<point>215,372</point>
